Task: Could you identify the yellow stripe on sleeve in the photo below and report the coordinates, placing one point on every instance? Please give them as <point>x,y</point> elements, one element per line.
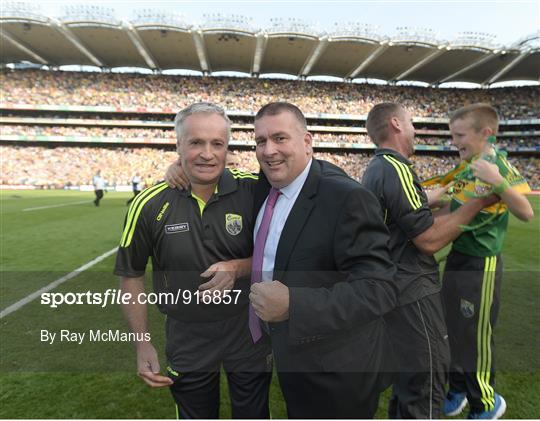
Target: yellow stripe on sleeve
<point>135,211</point>
<point>406,179</point>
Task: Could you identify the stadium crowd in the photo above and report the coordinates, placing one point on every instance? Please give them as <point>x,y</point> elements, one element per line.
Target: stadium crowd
<point>141,134</point>
<point>63,166</point>
<point>249,94</point>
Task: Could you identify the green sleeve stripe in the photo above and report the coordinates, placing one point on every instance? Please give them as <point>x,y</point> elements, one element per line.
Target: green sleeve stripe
<point>253,177</point>
<point>408,173</point>
<point>239,172</point>
<point>133,207</point>
<point>405,177</point>
<point>410,183</point>
<point>139,209</point>
<point>135,210</point>
<point>415,194</point>
<point>236,173</point>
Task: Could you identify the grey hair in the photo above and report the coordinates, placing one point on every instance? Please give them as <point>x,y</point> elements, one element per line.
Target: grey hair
<point>198,108</point>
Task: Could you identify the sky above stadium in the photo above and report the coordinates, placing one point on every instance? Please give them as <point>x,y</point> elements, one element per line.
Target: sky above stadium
<point>508,20</point>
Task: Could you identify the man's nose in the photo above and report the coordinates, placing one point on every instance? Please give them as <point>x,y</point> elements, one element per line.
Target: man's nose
<point>206,152</point>
<point>269,148</point>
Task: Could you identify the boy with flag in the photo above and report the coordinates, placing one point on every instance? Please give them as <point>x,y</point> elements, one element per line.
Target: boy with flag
<point>473,273</point>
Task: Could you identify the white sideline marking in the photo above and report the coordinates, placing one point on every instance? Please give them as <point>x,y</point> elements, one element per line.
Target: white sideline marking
<point>54,284</point>
<point>56,206</point>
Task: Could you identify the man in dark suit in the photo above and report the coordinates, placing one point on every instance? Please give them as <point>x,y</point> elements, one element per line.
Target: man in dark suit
<point>325,278</point>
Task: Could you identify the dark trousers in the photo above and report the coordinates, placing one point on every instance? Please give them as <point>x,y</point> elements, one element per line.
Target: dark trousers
<point>197,395</point>
<point>339,377</point>
<point>422,355</point>
<point>330,395</point>
<point>99,196</point>
<point>197,351</point>
<point>471,296</point>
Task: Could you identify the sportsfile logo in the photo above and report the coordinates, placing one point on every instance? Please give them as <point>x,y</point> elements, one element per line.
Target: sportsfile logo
<point>174,228</point>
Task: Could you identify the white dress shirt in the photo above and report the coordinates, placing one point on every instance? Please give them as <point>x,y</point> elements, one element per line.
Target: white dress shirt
<point>283,207</point>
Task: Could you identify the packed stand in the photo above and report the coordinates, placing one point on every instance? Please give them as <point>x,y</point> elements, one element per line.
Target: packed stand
<point>151,133</point>
<point>64,166</point>
<point>139,135</point>
<point>249,94</point>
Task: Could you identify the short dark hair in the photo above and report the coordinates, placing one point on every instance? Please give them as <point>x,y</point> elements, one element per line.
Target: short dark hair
<point>483,115</point>
<point>275,108</point>
<point>377,120</point>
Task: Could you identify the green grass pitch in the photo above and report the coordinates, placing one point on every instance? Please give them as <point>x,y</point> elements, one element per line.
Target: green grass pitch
<point>98,380</point>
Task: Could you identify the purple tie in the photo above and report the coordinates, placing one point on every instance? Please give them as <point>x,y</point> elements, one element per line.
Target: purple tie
<point>258,254</point>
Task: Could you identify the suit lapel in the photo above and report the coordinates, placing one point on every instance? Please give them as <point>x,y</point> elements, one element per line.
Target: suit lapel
<point>296,220</point>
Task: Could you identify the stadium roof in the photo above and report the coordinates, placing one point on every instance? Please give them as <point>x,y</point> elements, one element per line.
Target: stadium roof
<point>160,42</point>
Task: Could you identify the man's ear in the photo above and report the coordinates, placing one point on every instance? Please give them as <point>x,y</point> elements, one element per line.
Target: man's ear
<point>395,123</point>
<point>308,140</point>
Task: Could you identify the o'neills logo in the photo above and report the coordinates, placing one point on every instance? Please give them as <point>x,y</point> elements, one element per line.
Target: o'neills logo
<point>174,228</point>
<point>162,211</point>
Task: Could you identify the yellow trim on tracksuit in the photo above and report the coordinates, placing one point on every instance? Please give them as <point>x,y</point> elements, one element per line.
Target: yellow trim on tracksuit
<point>484,354</point>
<point>236,173</point>
<point>406,178</point>
<point>135,210</point>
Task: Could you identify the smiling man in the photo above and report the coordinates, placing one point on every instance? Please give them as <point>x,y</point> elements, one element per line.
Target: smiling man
<point>322,276</point>
<point>192,235</point>
<point>473,273</point>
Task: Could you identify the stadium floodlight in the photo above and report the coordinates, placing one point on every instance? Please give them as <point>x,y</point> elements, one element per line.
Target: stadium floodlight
<point>86,13</point>
<point>412,34</point>
<point>475,39</point>
<point>222,21</point>
<point>20,9</point>
<point>294,26</point>
<point>160,17</point>
<point>355,29</point>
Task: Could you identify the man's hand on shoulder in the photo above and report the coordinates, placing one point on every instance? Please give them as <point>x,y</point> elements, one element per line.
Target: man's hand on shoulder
<point>176,177</point>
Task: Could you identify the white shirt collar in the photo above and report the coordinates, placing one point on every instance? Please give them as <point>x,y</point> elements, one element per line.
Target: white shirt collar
<point>294,187</point>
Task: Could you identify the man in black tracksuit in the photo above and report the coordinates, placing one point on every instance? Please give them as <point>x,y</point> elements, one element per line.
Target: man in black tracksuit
<point>190,236</point>
<point>416,326</point>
